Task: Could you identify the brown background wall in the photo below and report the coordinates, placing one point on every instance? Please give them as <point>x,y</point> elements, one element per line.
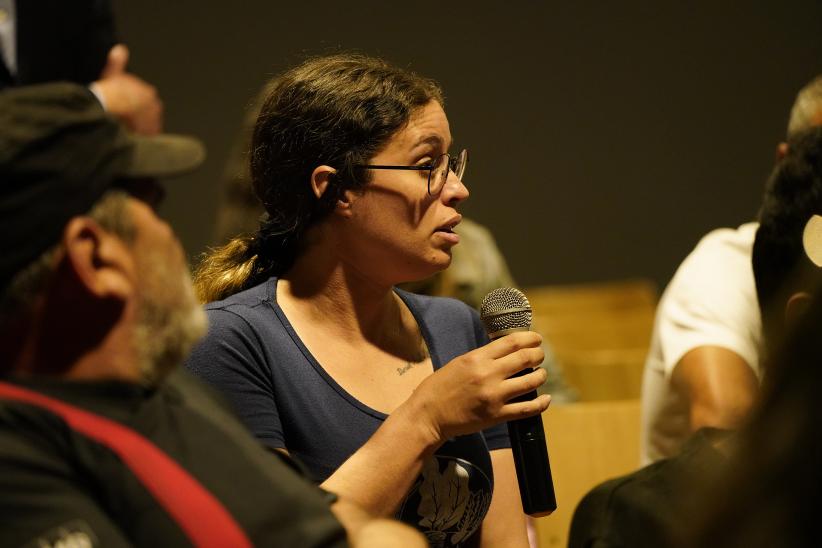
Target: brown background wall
<point>606,137</point>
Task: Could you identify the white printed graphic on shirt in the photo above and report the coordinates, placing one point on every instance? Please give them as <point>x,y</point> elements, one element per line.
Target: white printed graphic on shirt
<point>453,498</point>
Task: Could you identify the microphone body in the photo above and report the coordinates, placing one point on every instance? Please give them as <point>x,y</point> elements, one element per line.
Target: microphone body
<point>503,311</point>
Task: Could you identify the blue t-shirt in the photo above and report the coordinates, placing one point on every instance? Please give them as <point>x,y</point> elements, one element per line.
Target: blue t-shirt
<point>253,355</point>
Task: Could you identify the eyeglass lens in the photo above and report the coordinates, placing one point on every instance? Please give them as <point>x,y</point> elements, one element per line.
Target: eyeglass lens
<point>439,172</point>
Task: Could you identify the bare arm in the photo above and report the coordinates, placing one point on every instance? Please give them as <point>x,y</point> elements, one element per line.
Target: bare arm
<point>505,523</point>
<point>466,395</point>
<point>718,384</point>
<point>379,474</point>
<point>366,531</point>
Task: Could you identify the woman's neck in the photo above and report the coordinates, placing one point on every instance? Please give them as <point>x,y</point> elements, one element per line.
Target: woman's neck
<point>338,296</point>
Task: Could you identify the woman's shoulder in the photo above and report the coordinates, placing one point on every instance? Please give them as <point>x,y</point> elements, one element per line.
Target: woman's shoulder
<point>245,323</point>
<point>245,309</point>
<point>253,297</point>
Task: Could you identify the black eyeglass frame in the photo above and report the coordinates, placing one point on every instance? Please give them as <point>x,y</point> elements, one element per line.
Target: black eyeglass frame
<point>452,165</point>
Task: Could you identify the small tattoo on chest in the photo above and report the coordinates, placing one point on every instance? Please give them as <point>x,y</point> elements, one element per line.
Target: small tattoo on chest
<point>404,369</point>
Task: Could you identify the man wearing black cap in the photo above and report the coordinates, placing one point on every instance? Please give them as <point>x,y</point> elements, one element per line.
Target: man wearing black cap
<point>103,440</point>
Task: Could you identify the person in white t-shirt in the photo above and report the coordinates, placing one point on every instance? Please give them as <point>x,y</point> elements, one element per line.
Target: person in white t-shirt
<point>707,314</point>
<point>703,366</point>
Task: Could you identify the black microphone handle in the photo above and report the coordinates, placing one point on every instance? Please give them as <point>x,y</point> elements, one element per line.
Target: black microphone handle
<point>536,486</point>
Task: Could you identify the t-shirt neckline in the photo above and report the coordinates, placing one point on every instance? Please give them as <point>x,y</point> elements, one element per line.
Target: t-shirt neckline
<point>404,296</point>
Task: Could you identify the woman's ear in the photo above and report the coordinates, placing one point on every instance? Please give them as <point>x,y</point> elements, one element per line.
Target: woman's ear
<point>101,262</point>
<point>321,177</point>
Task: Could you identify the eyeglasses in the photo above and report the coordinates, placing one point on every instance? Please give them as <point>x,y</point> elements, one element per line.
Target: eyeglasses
<point>437,170</point>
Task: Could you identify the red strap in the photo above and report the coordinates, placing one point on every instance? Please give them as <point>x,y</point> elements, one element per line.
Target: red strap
<point>198,513</point>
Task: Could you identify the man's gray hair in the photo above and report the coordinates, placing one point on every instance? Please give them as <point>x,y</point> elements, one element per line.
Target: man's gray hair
<point>807,109</point>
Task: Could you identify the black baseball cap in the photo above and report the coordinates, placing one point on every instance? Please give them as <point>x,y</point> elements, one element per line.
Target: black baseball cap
<point>59,152</point>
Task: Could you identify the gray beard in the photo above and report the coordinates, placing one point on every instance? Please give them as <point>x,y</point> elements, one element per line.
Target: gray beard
<point>169,324</point>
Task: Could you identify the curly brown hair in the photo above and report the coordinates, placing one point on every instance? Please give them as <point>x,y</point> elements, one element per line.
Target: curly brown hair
<point>337,110</point>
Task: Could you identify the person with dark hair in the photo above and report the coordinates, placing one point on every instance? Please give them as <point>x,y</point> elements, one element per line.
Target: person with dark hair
<point>773,487</point>
<point>703,365</point>
<point>772,490</point>
<point>104,439</point>
<point>477,267</point>
<point>645,508</point>
<point>392,399</point>
<point>785,264</point>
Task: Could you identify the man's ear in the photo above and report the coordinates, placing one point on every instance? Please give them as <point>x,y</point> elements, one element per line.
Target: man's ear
<point>796,306</point>
<point>101,261</point>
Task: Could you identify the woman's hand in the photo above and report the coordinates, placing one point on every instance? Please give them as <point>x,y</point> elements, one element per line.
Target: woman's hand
<point>471,392</point>
<point>468,394</point>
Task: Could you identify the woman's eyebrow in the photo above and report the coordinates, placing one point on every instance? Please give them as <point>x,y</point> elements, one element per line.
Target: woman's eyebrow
<point>432,140</point>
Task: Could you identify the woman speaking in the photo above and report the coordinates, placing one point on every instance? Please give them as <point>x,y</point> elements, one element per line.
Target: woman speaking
<point>392,400</point>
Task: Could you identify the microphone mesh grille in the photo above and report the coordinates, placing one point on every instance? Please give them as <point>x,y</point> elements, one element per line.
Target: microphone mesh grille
<point>505,308</point>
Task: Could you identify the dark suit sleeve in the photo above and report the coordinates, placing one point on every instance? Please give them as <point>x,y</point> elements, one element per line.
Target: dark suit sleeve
<point>63,41</point>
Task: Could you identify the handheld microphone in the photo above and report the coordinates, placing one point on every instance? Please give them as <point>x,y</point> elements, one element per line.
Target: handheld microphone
<point>503,311</point>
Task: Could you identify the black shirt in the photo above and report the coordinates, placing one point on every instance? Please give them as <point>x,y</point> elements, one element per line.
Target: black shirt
<point>56,484</point>
<point>652,506</point>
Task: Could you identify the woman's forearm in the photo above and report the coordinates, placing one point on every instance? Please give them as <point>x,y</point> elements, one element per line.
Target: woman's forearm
<point>379,474</point>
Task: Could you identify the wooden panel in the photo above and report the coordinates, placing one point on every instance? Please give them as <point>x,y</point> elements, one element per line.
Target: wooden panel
<point>605,374</point>
<point>599,333</point>
<point>615,294</point>
<point>588,442</point>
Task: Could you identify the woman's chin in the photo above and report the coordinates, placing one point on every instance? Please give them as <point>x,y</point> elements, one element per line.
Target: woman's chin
<point>437,264</point>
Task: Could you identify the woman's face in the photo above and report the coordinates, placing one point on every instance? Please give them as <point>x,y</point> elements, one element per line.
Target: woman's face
<point>401,233</point>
